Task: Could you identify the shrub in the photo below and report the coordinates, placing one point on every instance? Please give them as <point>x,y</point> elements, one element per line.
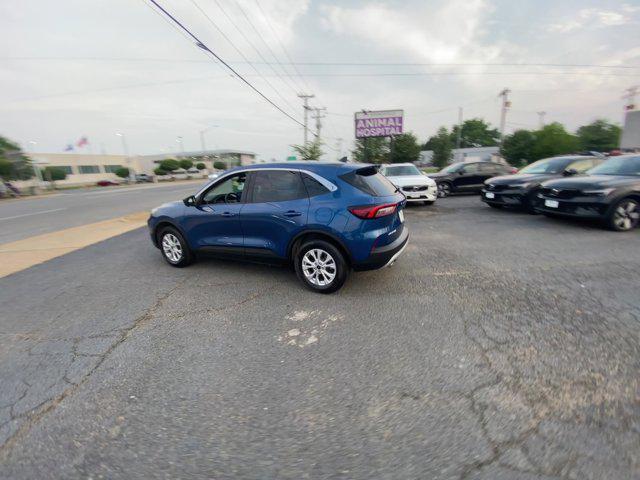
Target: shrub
<point>169,165</point>
<point>201,166</point>
<point>54,174</point>
<point>159,171</point>
<point>186,164</point>
<point>122,172</point>
<point>219,165</point>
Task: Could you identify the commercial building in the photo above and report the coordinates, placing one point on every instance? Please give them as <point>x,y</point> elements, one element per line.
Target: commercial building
<point>231,158</point>
<point>474,154</point>
<point>82,169</point>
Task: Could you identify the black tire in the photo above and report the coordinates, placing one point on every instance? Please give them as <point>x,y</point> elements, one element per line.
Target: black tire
<point>313,279</point>
<point>429,202</point>
<point>624,215</point>
<point>179,255</point>
<point>495,205</point>
<point>528,202</point>
<point>444,189</point>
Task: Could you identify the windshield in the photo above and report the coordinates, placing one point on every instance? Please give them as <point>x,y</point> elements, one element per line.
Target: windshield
<point>618,166</point>
<point>548,165</point>
<point>454,167</point>
<point>400,170</point>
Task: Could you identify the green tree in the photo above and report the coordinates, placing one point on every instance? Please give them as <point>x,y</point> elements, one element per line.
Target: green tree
<point>200,166</point>
<point>169,165</point>
<point>122,172</point>
<point>404,148</point>
<point>310,151</point>
<point>53,174</point>
<point>599,136</point>
<point>219,165</point>
<point>552,140</point>
<point>371,150</point>
<point>16,165</point>
<point>517,148</point>
<point>159,171</point>
<point>186,163</point>
<point>475,132</point>
<point>440,143</point>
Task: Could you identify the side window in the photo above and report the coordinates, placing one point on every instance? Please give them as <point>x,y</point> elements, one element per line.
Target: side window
<point>277,186</point>
<point>229,191</point>
<point>313,186</point>
<point>582,166</point>
<point>471,168</point>
<point>489,168</point>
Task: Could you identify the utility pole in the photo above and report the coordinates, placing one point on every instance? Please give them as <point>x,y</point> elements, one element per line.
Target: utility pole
<point>319,115</point>
<point>630,96</point>
<point>459,136</point>
<point>541,118</point>
<point>503,115</point>
<point>305,98</point>
<point>339,147</point>
<point>202,132</point>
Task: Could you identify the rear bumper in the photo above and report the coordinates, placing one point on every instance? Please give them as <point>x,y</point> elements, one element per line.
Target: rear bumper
<point>385,255</point>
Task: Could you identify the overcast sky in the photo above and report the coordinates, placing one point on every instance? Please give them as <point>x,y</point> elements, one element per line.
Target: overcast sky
<point>76,67</point>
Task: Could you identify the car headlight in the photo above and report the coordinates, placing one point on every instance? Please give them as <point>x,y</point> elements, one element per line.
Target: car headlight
<point>154,210</point>
<point>598,193</point>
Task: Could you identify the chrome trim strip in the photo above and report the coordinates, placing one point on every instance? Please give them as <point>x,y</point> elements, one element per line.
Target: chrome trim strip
<point>323,181</point>
<point>395,257</point>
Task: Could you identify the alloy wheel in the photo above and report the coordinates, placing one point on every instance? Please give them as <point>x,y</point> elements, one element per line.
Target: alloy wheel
<point>171,247</point>
<point>444,189</point>
<point>626,215</point>
<point>319,267</point>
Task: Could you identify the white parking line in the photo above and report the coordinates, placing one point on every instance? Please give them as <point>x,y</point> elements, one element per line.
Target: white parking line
<point>34,213</point>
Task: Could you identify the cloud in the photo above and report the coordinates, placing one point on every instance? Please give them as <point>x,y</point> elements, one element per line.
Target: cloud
<point>593,18</point>
<point>449,32</point>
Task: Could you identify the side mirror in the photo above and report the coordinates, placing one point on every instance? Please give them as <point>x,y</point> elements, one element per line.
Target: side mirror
<point>190,201</point>
<point>570,172</point>
<point>461,171</point>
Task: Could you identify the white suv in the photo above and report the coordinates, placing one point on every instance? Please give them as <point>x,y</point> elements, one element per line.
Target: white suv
<point>414,184</point>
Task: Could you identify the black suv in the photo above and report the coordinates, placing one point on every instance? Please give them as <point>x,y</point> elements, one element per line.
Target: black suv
<point>467,176</point>
<point>610,192</point>
<point>519,190</point>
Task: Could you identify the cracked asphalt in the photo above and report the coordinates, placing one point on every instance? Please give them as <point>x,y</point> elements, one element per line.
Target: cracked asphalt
<point>500,346</point>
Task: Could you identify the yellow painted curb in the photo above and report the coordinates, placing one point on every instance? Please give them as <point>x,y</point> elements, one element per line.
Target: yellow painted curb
<point>16,256</point>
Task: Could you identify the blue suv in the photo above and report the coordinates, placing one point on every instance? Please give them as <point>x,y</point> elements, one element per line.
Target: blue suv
<point>324,218</point>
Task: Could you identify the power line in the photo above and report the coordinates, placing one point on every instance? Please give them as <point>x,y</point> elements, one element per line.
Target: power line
<point>286,52</point>
<point>352,64</point>
<point>264,60</point>
<point>244,14</point>
<point>202,46</point>
<point>277,92</point>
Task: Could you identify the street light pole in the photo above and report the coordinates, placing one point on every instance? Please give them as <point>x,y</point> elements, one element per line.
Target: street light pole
<point>202,132</point>
<point>179,140</point>
<point>125,148</point>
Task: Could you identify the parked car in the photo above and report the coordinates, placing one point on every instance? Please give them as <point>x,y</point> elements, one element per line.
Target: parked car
<point>610,193</point>
<point>467,177</point>
<point>324,218</point>
<point>414,184</point>
<point>214,175</point>
<point>519,190</point>
<point>143,178</point>
<point>106,183</point>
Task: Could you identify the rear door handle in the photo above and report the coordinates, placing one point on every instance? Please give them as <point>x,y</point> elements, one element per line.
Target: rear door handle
<point>292,213</point>
<point>228,214</point>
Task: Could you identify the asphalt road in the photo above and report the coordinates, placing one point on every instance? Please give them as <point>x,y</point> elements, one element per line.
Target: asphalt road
<point>33,216</point>
<point>500,346</point>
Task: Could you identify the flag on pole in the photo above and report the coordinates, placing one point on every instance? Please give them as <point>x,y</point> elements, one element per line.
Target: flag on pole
<point>69,147</point>
<point>82,142</point>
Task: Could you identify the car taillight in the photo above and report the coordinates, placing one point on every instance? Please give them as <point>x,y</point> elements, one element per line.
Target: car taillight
<point>374,211</point>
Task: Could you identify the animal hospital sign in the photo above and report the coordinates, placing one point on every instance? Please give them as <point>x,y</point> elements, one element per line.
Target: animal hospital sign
<point>381,123</point>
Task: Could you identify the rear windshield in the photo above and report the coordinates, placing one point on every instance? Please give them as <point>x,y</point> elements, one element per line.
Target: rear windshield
<point>368,180</point>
